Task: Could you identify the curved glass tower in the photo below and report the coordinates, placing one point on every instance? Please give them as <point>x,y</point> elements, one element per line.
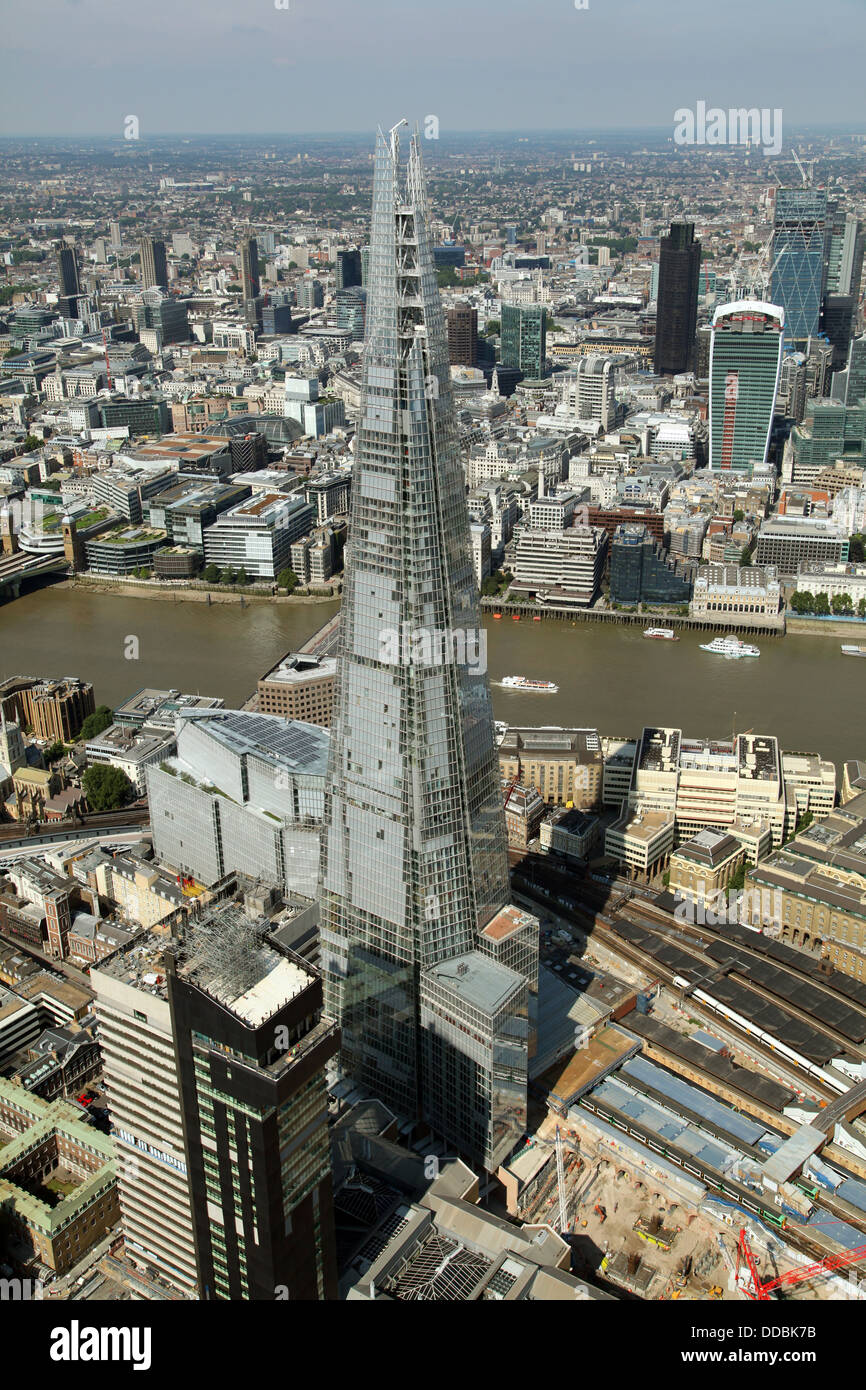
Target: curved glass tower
<point>414,861</point>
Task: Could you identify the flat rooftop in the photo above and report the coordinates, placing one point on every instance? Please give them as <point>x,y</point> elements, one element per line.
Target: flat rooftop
<point>476,980</point>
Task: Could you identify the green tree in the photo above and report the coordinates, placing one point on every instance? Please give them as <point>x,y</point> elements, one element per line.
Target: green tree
<point>243,577</point>
<point>228,576</point>
<point>861,608</point>
<point>94,724</point>
<point>288,580</point>
<point>493,326</point>
<point>822,605</point>
<point>842,603</point>
<point>106,788</point>
<point>746,555</point>
<point>857,548</point>
<point>211,574</point>
<point>739,515</point>
<point>54,753</point>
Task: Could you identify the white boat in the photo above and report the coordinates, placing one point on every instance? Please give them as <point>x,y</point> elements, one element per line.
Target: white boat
<point>730,647</point>
<point>524,683</point>
<point>662,634</point>
<point>849,650</point>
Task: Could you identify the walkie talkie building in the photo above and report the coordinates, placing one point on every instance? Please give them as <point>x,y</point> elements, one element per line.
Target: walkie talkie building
<point>414,860</point>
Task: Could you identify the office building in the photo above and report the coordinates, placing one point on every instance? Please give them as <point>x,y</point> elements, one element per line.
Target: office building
<point>462,321</point>
<point>257,535</point>
<point>311,294</point>
<point>277,318</point>
<point>351,309</point>
<point>565,765</point>
<point>641,571</point>
<point>58,1178</point>
<point>54,709</point>
<point>348,269</point>
<point>137,1044</point>
<point>790,542</point>
<point>586,390</point>
<point>252,1046</point>
<point>849,384</point>
<point>168,317</point>
<point>67,266</point>
<point>739,597</point>
<point>837,318</point>
<point>798,260</point>
<point>745,366</point>
<point>845,244</point>
<point>677,303</point>
<point>154,266</point>
<point>523,337</point>
<point>565,567</point>
<point>816,881</point>
<point>249,258</point>
<point>243,794</point>
<point>414,862</point>
<point>300,687</point>
<point>721,784</point>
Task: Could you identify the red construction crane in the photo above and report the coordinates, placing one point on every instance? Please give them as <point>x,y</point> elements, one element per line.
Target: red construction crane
<point>760,1291</point>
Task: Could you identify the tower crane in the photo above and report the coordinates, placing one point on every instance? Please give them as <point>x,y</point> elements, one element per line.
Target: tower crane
<point>748,1278</point>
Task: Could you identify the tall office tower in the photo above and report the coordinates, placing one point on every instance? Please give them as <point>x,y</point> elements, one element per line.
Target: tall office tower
<point>250,283</point>
<point>745,366</point>
<point>115,236</point>
<point>351,309</point>
<point>311,295</point>
<point>414,862</point>
<point>798,260</point>
<point>524,338</point>
<point>462,336</point>
<point>365,264</point>
<point>67,265</point>
<point>348,269</point>
<point>845,244</point>
<point>154,266</point>
<point>791,396</point>
<point>849,385</point>
<point>252,1046</point>
<point>837,317</point>
<point>135,1037</point>
<point>677,304</point>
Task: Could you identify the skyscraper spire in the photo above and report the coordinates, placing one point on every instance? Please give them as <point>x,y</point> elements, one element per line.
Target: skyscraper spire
<point>414,861</point>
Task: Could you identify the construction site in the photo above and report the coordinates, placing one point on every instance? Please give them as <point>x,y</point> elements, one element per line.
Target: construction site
<point>704,1139</point>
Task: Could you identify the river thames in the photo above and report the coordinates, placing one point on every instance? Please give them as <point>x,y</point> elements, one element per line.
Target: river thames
<point>610,677</point>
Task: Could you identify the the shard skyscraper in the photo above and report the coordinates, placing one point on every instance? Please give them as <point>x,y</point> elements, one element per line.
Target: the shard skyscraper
<point>428,970</point>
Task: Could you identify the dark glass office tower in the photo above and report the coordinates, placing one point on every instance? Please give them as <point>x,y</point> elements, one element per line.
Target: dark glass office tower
<point>677,305</point>
<point>250,283</point>
<point>348,270</point>
<point>67,265</point>
<point>251,1046</point>
<point>799,260</point>
<point>524,338</point>
<point>154,266</point>
<point>414,860</point>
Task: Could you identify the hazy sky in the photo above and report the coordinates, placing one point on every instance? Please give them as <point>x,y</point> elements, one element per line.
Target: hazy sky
<point>243,66</point>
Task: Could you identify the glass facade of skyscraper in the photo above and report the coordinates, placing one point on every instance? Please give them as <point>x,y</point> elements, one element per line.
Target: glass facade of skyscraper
<point>745,364</point>
<point>524,338</point>
<point>799,259</point>
<point>414,860</point>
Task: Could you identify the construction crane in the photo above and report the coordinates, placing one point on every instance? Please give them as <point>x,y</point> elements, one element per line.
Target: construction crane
<point>560,1183</point>
<point>107,363</point>
<point>759,1291</point>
